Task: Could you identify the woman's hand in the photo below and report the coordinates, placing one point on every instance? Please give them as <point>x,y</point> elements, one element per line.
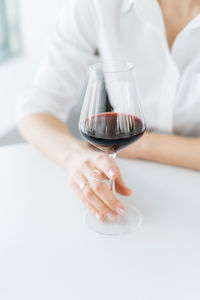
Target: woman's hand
<point>91,167</point>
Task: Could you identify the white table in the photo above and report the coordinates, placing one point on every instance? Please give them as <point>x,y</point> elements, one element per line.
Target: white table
<point>48,252</point>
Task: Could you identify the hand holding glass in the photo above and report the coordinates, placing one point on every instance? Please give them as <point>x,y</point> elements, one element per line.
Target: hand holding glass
<point>111,119</point>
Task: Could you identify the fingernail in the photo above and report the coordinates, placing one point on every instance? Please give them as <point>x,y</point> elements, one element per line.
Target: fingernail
<point>129,189</point>
<point>120,211</point>
<point>111,216</point>
<point>111,173</point>
<point>98,216</point>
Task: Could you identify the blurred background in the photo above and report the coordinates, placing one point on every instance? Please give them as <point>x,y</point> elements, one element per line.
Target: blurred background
<point>25,31</point>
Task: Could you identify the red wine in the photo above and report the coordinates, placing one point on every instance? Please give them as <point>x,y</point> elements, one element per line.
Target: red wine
<point>112,131</point>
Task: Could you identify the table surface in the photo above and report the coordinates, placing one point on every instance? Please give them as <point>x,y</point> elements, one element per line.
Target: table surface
<point>48,252</point>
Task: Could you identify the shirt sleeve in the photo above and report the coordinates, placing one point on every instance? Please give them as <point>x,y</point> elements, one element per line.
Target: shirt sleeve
<point>63,72</point>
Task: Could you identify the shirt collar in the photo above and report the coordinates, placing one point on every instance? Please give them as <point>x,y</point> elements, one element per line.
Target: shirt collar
<point>148,7</point>
<point>195,23</point>
<point>148,10</point>
<point>141,4</point>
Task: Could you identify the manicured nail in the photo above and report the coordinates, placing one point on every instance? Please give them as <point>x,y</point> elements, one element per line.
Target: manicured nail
<point>120,211</point>
<point>111,216</point>
<point>98,216</point>
<point>111,173</point>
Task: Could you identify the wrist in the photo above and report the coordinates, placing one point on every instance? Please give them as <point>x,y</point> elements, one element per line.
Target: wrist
<point>143,146</point>
<point>146,145</point>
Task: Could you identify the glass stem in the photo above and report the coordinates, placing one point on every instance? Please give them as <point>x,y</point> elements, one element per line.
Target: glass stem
<point>112,181</point>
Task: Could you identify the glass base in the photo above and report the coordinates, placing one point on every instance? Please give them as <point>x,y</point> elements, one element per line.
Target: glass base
<point>129,222</point>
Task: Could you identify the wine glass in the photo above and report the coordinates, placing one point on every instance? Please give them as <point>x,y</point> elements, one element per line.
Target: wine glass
<point>111,119</point>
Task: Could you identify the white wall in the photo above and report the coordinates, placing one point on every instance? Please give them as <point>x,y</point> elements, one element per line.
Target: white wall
<point>37,19</point>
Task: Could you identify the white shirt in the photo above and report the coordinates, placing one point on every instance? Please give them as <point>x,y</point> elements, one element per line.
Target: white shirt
<point>132,30</point>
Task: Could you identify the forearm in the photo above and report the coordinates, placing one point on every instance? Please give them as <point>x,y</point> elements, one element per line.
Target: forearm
<point>50,136</point>
<point>167,149</point>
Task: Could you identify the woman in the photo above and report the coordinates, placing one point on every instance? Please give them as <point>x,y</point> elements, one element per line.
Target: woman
<point>163,38</point>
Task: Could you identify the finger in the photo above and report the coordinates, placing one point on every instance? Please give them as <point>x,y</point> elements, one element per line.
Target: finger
<point>106,195</point>
<point>120,186</point>
<point>107,165</point>
<point>93,210</point>
<point>99,205</point>
<point>88,167</point>
<point>93,199</point>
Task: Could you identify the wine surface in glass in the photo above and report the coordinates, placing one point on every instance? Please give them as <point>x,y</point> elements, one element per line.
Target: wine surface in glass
<point>112,131</point>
